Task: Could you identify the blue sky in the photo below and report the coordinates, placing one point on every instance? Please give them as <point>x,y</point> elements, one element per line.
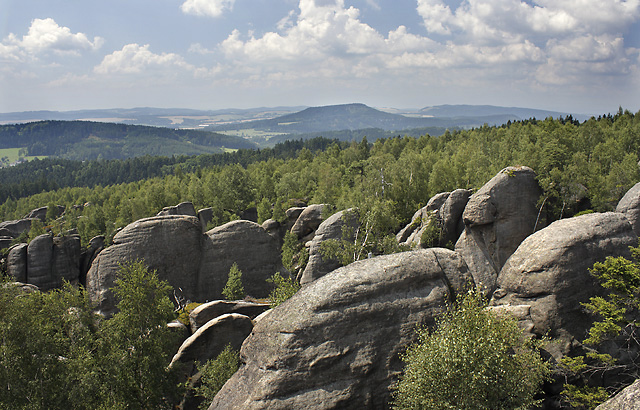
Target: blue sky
<point>580,56</point>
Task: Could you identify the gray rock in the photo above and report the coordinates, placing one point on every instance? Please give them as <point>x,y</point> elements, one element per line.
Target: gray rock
<point>336,344</point>
<point>205,216</point>
<point>242,242</point>
<point>412,232</point>
<point>183,208</point>
<point>450,216</point>
<point>629,205</point>
<point>308,221</point>
<point>550,272</point>
<point>171,245</point>
<point>65,261</point>
<point>15,228</point>
<point>211,339</point>
<point>211,310</point>
<point>17,262</point>
<point>497,219</point>
<point>96,244</point>
<point>5,241</point>
<point>39,213</point>
<point>627,399</point>
<point>331,228</point>
<point>39,256</point>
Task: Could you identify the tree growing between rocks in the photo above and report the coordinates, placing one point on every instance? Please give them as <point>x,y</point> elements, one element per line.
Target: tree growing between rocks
<point>474,359</point>
<point>234,290</point>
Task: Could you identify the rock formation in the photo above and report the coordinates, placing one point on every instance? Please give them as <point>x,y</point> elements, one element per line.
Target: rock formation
<point>336,343</point>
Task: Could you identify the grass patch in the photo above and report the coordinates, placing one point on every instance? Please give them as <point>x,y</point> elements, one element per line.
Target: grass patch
<point>11,155</point>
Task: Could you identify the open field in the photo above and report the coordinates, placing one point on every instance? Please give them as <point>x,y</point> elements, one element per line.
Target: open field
<point>11,155</point>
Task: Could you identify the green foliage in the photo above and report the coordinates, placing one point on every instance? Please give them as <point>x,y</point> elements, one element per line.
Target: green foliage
<point>37,229</point>
<point>215,373</point>
<point>291,247</point>
<point>285,287</point>
<point>234,290</point>
<point>183,314</point>
<point>474,359</point>
<point>431,233</point>
<point>56,353</point>
<point>614,331</point>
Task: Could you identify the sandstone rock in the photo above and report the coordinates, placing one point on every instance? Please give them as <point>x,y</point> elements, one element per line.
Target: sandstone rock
<point>211,310</point>
<point>550,272</point>
<point>411,233</point>
<point>627,399</point>
<point>205,216</point>
<point>450,216</point>
<point>211,339</point>
<point>96,244</point>
<point>250,214</point>
<point>17,262</point>
<point>629,205</point>
<point>294,212</point>
<point>497,219</point>
<point>41,213</point>
<point>5,241</point>
<point>65,260</point>
<point>39,256</point>
<point>245,243</point>
<point>331,228</point>
<point>15,228</point>
<point>183,208</point>
<point>336,344</point>
<point>308,221</point>
<point>171,245</point>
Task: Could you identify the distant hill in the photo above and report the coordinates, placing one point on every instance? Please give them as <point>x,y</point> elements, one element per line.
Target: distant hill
<point>492,110</point>
<point>90,140</point>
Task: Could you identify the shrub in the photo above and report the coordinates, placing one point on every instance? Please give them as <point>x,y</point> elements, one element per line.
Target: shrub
<point>234,290</point>
<point>215,373</point>
<point>285,288</point>
<point>475,359</point>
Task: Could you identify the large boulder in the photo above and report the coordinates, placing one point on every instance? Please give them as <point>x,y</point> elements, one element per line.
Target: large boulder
<point>183,208</point>
<point>413,231</point>
<point>65,261</point>
<point>497,219</point>
<point>627,399</point>
<point>39,255</point>
<point>308,221</point>
<point>336,344</point>
<point>17,262</point>
<point>549,273</point>
<point>209,340</point>
<point>245,243</point>
<point>211,310</point>
<point>330,229</point>
<point>15,228</point>
<point>629,205</point>
<point>170,245</point>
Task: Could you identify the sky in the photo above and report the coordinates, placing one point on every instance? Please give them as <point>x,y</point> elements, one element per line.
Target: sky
<point>576,56</point>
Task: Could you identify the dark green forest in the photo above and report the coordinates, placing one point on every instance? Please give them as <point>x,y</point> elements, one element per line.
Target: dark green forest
<point>580,166</point>
<point>95,140</point>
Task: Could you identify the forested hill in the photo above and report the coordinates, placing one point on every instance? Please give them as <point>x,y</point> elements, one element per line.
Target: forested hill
<point>84,140</point>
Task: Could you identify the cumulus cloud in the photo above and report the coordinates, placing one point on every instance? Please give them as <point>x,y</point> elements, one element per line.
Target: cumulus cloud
<point>209,8</point>
<point>46,36</point>
<point>135,59</point>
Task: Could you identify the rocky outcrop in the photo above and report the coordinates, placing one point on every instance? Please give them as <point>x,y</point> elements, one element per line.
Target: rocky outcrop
<point>39,255</point>
<point>15,228</point>
<point>629,205</point>
<point>336,344</point>
<point>17,262</point>
<point>242,242</point>
<point>549,273</point>
<point>627,399</point>
<point>308,221</point>
<point>170,245</point>
<point>497,219</point>
<point>205,216</point>
<point>330,229</point>
<point>183,208</point>
<point>209,311</point>
<point>197,264</point>
<point>412,232</point>
<point>209,340</point>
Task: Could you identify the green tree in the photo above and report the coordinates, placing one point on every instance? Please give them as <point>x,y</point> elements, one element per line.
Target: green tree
<point>215,373</point>
<point>285,287</point>
<point>128,368</point>
<point>612,347</point>
<point>474,359</point>
<point>234,290</point>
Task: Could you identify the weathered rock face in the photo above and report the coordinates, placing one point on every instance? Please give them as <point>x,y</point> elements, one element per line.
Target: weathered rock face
<point>205,216</point>
<point>245,243</point>
<point>308,221</point>
<point>209,340</point>
<point>208,311</point>
<point>171,245</point>
<point>183,208</point>
<point>17,262</point>
<point>331,228</point>
<point>15,228</point>
<point>39,255</point>
<point>412,232</point>
<point>497,219</point>
<point>336,344</point>
<point>629,205</point>
<point>450,216</point>
<point>65,261</point>
<point>549,272</point>
<point>627,399</point>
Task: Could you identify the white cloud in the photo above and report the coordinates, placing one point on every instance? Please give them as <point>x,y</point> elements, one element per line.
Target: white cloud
<point>44,36</point>
<point>209,8</point>
<point>135,59</point>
